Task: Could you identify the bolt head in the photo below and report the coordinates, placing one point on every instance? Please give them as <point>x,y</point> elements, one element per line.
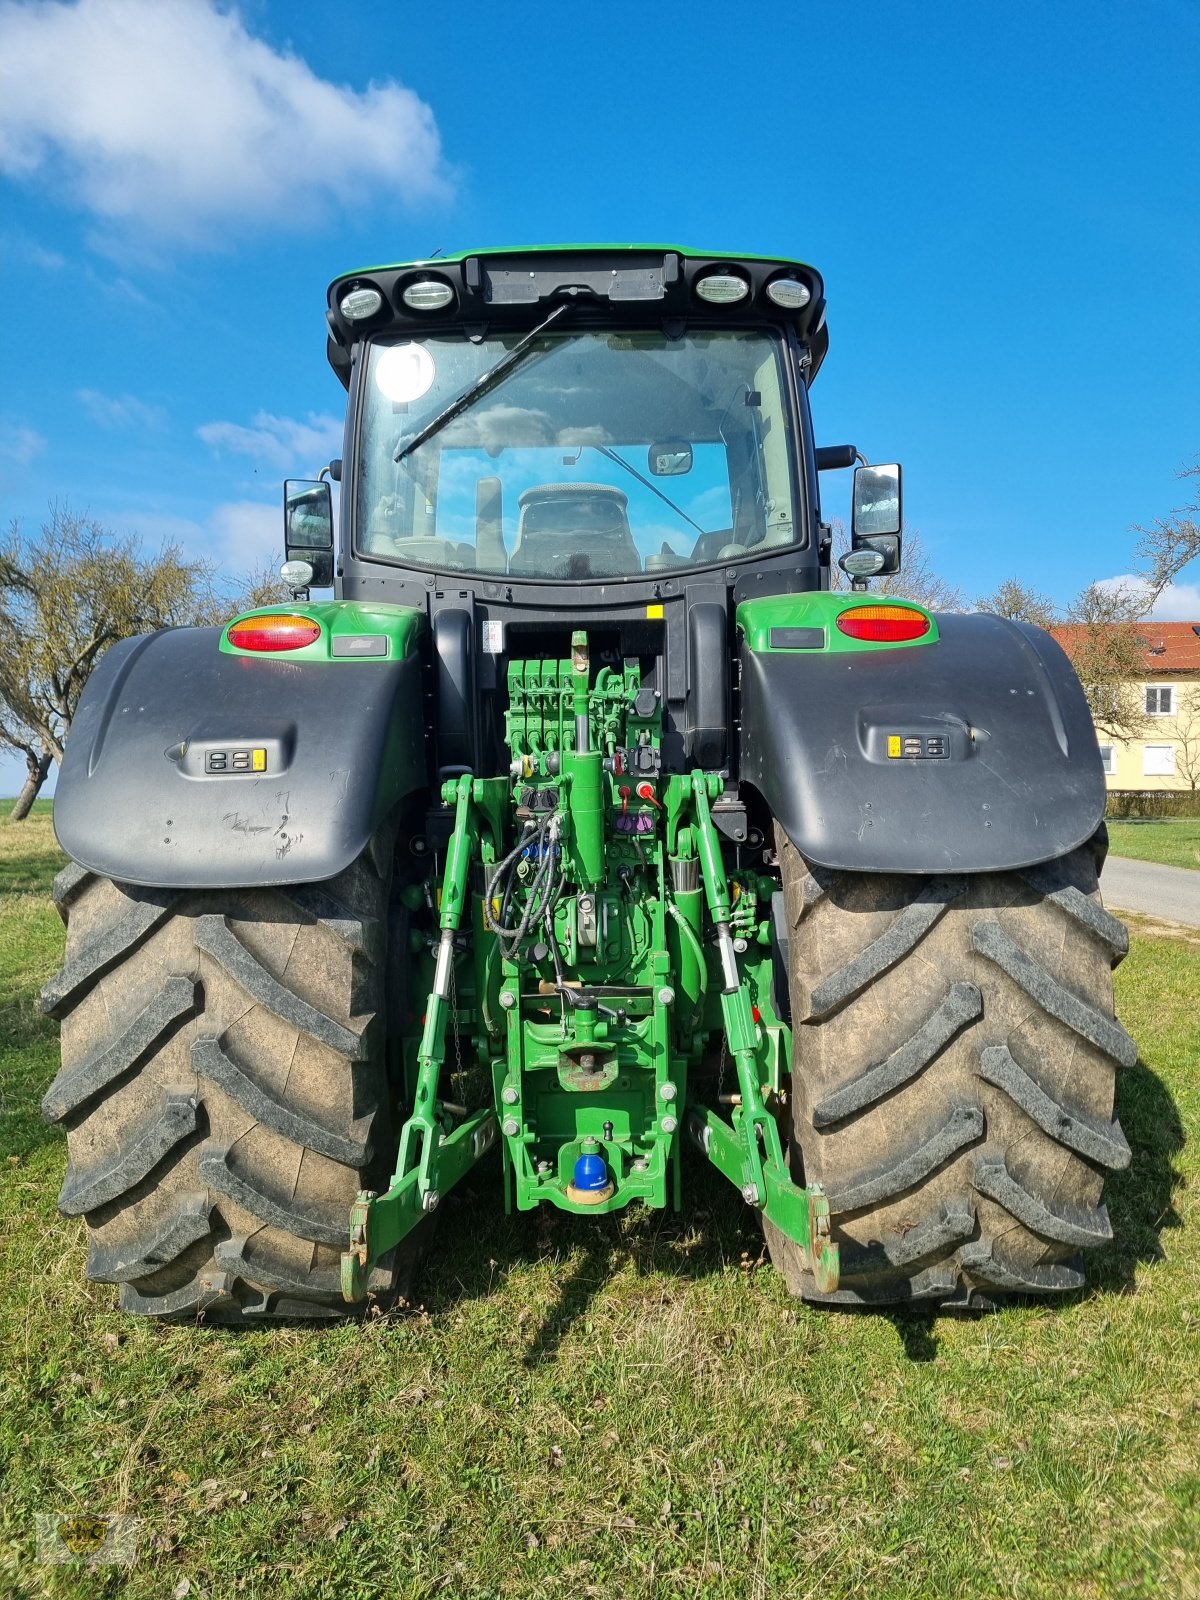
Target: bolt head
<point>510,1095</point>
<point>667,1092</point>
<point>668,1124</point>
<point>666,996</point>
<point>510,1127</point>
<point>750,1193</point>
<point>507,999</point>
<point>431,1201</point>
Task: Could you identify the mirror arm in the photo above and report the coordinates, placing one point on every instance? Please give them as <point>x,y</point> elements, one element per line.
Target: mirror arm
<point>834,457</point>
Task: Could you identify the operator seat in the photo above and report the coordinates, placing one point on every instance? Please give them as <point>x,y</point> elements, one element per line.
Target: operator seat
<point>560,521</point>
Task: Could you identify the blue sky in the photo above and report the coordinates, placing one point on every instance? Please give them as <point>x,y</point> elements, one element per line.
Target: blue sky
<point>1000,197</point>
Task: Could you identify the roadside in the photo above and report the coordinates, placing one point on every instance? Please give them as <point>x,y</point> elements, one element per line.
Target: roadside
<point>1168,894</point>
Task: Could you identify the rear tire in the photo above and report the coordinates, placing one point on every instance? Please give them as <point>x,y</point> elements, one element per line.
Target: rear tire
<point>953,1075</point>
<point>223,1088</point>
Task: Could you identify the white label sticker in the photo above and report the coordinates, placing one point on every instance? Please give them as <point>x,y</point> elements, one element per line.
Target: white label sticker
<point>493,638</point>
<point>404,373</point>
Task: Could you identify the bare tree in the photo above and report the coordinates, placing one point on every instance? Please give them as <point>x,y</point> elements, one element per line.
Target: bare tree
<point>1020,603</point>
<point>263,587</point>
<point>66,594</point>
<point>1171,542</point>
<point>1107,649</point>
<point>1101,633</point>
<point>916,579</point>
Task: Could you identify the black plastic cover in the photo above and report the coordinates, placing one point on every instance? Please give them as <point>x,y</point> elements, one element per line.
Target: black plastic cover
<point>457,699</point>
<point>138,798</point>
<point>708,682</point>
<point>1008,771</point>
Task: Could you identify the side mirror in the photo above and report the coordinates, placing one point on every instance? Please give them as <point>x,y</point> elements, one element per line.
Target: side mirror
<point>308,527</point>
<point>875,517</point>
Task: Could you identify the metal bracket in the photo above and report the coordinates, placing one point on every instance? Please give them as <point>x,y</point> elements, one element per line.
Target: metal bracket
<point>800,1214</point>
<point>378,1222</point>
<point>432,1157</point>
<point>749,1152</point>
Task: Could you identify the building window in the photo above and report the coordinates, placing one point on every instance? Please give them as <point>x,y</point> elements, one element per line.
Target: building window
<point>1108,758</point>
<point>1160,700</point>
<point>1158,760</point>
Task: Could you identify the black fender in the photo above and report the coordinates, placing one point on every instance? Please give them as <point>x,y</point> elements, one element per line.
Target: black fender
<point>342,744</point>
<point>1020,780</point>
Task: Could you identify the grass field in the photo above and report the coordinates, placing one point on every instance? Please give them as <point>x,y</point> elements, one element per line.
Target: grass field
<point>1175,841</point>
<point>626,1407</point>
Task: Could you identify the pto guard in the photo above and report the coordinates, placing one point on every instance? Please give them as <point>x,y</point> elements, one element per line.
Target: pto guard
<point>192,767</point>
<point>974,752</point>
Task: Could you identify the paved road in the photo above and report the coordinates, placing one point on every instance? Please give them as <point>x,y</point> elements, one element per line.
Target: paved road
<point>1172,893</point>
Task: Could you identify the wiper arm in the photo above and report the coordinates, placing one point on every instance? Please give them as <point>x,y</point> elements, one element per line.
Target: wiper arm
<point>633,472</point>
<point>481,385</point>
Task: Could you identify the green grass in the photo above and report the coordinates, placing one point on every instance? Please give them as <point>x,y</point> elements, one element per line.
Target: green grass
<point>611,1408</point>
<point>29,853</point>
<point>1175,841</point>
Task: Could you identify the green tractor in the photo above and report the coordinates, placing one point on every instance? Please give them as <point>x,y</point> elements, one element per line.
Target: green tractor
<point>589,821</point>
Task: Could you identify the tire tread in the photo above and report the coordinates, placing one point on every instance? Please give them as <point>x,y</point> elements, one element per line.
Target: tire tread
<point>210,1190</point>
<point>954,1057</point>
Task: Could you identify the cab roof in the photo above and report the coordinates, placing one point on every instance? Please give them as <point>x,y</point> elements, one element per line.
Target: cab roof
<point>516,287</point>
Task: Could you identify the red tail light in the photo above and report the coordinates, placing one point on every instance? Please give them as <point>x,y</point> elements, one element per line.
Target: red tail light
<point>274,632</point>
<point>883,624</point>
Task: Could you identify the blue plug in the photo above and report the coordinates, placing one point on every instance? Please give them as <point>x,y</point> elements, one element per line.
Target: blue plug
<point>591,1171</point>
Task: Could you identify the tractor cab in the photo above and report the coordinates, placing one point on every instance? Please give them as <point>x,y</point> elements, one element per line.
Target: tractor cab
<point>554,418</point>
<point>612,437</point>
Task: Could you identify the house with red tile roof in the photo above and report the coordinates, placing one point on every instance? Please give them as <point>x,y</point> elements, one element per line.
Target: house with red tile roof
<point>1167,690</point>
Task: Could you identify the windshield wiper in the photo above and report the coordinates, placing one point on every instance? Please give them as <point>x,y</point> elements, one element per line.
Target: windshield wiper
<point>611,455</point>
<point>481,385</point>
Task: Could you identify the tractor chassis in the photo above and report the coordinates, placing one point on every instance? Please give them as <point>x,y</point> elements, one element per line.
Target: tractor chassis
<point>440,1143</point>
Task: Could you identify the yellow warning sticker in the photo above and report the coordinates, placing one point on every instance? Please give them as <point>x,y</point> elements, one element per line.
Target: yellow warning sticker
<point>654,611</point>
<point>893,744</point>
<point>260,761</point>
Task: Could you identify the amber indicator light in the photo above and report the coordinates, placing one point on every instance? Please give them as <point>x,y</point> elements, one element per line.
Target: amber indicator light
<point>274,632</point>
<point>883,624</point>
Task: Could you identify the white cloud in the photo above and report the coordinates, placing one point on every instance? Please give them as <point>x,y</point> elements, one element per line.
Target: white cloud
<point>18,443</point>
<point>239,535</point>
<point>118,412</point>
<point>247,534</point>
<point>1179,602</point>
<point>16,245</point>
<point>1128,584</point>
<point>170,116</point>
<point>283,443</point>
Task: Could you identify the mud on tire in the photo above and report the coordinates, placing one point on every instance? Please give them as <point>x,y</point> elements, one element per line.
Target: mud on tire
<point>953,1074</point>
<point>223,1088</point>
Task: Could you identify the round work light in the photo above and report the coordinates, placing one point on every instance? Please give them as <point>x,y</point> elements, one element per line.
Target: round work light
<point>428,294</point>
<point>358,304</point>
<point>789,293</point>
<point>722,288</point>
